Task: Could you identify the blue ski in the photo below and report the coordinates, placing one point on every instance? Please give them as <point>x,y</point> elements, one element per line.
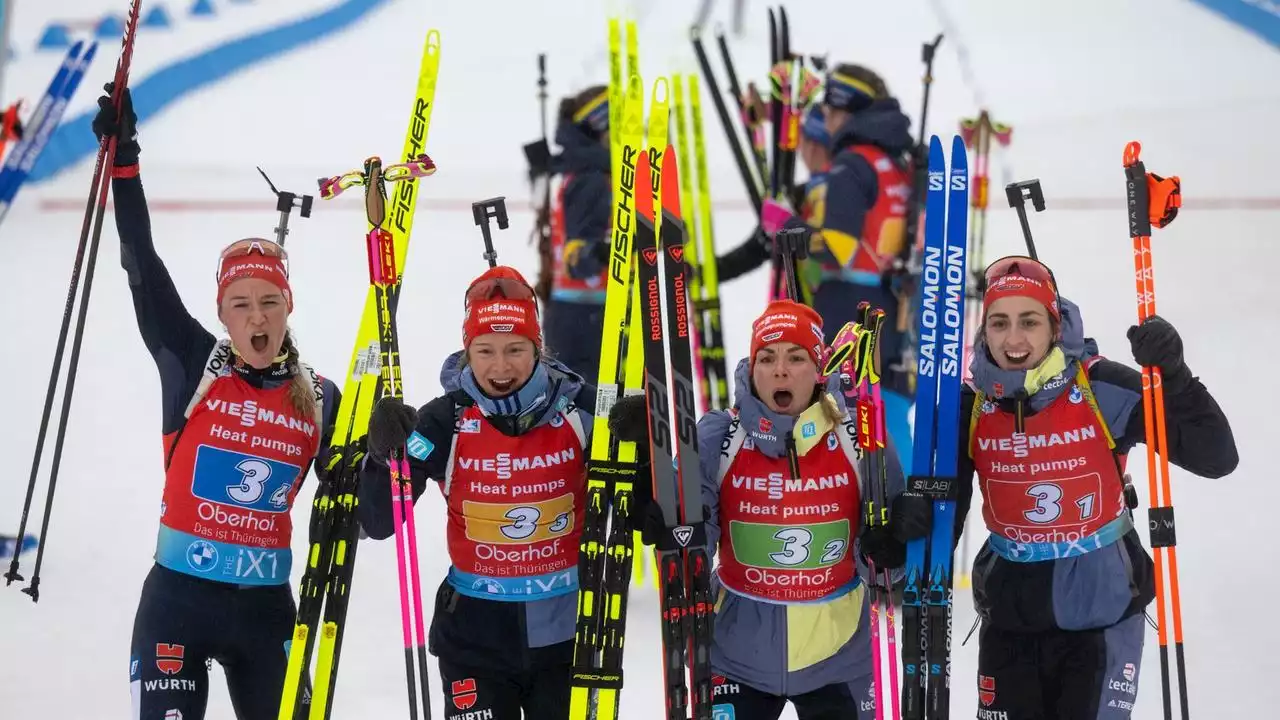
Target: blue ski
<point>926,644</point>
<point>44,120</point>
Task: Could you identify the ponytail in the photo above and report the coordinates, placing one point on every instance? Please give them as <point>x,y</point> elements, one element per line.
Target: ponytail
<point>301,395</point>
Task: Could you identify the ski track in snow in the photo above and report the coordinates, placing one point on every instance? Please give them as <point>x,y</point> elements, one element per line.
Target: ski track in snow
<point>1076,82</point>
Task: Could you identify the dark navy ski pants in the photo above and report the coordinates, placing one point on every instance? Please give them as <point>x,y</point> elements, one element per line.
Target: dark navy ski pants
<point>185,623</point>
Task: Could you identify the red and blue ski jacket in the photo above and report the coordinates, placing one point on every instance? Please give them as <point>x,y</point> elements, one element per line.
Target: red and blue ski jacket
<point>780,631</point>
<point>236,453</point>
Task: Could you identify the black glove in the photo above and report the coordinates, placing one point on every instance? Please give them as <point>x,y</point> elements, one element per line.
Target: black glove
<point>123,125</point>
<point>652,525</point>
<point>390,425</point>
<point>1156,343</point>
<point>629,419</point>
<point>910,516</point>
<point>880,548</point>
<point>600,252</point>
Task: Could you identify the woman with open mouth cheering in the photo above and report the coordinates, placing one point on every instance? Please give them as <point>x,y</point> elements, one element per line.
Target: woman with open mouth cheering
<point>243,420</point>
<point>781,493</point>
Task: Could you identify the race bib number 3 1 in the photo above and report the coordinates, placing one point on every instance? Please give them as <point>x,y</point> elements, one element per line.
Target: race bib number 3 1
<point>231,478</point>
<point>1058,502</point>
<point>783,547</point>
<point>509,523</point>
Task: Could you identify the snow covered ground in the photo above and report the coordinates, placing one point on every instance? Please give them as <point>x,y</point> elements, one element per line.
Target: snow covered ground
<point>1076,80</point>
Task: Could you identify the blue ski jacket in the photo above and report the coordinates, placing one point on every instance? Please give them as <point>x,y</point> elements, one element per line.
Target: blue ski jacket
<point>781,649</point>
<point>1102,587</point>
<point>470,631</point>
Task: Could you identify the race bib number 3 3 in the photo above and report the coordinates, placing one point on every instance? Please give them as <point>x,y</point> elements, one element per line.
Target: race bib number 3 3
<point>783,547</point>
<point>509,523</point>
<point>247,481</point>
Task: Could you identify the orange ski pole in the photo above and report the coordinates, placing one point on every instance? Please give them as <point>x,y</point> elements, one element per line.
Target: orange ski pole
<point>1154,200</point>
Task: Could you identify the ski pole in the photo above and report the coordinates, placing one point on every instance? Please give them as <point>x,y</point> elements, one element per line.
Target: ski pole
<point>735,145</point>
<point>415,578</point>
<point>920,152</point>
<point>1145,209</point>
<point>398,512</point>
<point>750,119</point>
<point>95,211</point>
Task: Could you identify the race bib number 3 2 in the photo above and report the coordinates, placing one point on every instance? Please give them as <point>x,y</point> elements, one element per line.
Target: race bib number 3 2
<point>783,547</point>
<point>246,481</point>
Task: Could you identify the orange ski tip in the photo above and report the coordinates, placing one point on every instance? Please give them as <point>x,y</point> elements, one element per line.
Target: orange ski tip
<point>642,187</point>
<point>670,182</point>
<point>1131,153</point>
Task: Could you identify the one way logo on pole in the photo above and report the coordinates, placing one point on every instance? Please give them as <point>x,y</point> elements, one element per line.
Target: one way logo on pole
<point>169,658</point>
<point>682,534</point>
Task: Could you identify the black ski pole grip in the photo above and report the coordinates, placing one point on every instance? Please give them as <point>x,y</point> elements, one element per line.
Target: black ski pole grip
<point>482,211</point>
<point>1018,193</point>
<point>794,242</point>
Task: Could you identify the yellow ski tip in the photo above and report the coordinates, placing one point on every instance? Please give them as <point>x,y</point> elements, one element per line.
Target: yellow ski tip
<point>661,91</point>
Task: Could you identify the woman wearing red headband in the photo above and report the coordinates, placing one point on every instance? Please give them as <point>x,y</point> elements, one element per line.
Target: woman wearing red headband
<point>507,446</point>
<point>1062,581</point>
<point>244,419</point>
<point>783,501</point>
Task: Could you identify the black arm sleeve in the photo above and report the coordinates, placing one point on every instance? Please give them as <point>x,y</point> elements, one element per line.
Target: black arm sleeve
<point>177,341</point>
<point>332,399</point>
<point>1199,436</point>
<point>751,254</point>
<point>435,423</point>
<point>964,463</point>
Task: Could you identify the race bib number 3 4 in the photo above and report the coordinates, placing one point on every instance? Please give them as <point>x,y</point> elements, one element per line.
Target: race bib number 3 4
<point>784,547</point>
<point>509,523</point>
<point>246,481</point>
